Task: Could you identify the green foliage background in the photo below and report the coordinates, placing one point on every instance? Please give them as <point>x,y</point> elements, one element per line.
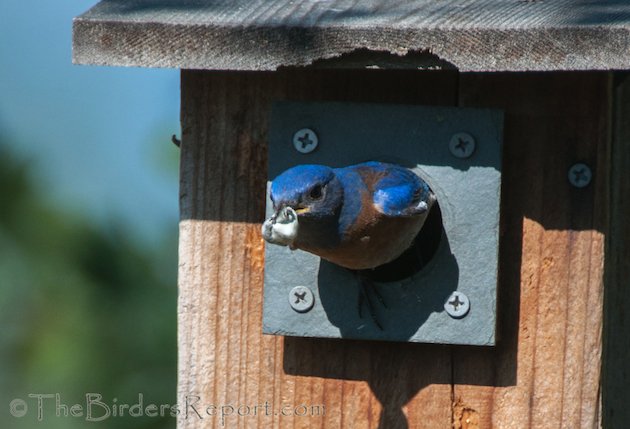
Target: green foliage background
<point>83,308</point>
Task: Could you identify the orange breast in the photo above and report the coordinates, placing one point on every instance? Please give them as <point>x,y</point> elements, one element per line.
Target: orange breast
<point>374,244</point>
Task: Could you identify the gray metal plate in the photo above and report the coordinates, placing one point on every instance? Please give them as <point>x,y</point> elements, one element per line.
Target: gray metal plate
<point>468,191</point>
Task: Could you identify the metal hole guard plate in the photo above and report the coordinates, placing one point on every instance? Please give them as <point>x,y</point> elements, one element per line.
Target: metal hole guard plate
<point>468,191</point>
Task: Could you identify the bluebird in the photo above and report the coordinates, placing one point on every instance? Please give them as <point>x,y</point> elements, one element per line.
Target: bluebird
<point>358,217</point>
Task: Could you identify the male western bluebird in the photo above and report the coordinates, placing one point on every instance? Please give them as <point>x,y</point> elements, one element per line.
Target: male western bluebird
<point>358,217</point>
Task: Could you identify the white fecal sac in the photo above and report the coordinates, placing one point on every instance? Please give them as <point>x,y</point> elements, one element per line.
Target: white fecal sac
<point>281,228</point>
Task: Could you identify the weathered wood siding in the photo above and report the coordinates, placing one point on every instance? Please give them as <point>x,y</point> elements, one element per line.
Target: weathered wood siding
<point>545,372</point>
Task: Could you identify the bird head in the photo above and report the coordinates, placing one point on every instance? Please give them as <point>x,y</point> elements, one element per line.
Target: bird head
<point>313,193</point>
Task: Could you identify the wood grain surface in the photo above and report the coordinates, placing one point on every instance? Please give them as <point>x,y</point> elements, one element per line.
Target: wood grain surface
<point>471,35</point>
<point>545,371</point>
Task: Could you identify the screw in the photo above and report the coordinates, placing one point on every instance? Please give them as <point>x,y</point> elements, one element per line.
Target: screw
<point>462,145</point>
<point>580,175</point>
<point>457,305</point>
<point>305,140</point>
<point>301,299</point>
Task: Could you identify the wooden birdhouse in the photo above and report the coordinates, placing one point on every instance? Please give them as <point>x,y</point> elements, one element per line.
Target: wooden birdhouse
<point>517,111</point>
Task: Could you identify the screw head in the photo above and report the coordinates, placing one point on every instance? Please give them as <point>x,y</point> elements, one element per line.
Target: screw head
<point>580,175</point>
<point>462,145</point>
<point>305,140</point>
<point>301,299</point>
<point>457,305</point>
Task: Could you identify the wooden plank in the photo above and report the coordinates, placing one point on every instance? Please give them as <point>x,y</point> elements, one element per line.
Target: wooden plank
<point>616,370</point>
<point>471,35</point>
<point>545,372</point>
<point>223,357</point>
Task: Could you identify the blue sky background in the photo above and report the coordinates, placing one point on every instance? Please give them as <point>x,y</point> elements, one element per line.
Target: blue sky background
<point>97,138</point>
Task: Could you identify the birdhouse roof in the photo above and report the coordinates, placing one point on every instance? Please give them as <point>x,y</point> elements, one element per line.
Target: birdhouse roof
<point>469,35</point>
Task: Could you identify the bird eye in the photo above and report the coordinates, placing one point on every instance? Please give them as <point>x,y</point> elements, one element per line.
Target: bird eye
<point>316,192</point>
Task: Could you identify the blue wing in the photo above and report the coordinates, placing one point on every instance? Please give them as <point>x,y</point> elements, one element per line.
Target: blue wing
<point>398,191</point>
<point>392,190</point>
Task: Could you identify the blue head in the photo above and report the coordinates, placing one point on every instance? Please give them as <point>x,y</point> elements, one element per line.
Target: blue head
<point>312,191</point>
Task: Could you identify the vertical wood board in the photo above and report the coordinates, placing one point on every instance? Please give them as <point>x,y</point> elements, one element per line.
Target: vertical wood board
<point>546,371</point>
<point>223,357</point>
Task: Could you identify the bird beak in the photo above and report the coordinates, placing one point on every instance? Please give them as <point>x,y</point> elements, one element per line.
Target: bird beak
<point>302,210</point>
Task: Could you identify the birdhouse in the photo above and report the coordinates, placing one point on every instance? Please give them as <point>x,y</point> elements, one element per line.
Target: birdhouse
<point>514,114</point>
